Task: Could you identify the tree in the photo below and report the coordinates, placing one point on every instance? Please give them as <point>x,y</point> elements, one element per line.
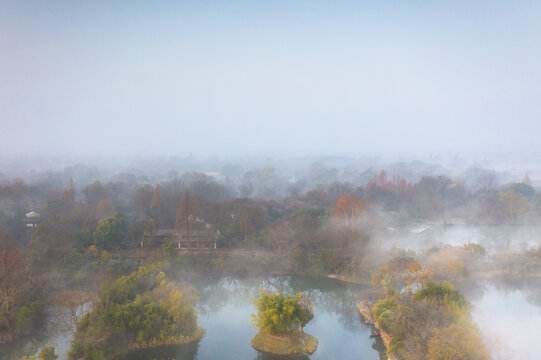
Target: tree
<point>278,314</point>
<point>13,274</point>
<point>140,201</point>
<point>105,208</point>
<point>245,223</point>
<point>110,232</point>
<point>442,294</point>
<point>524,188</point>
<point>385,279</point>
<point>156,198</point>
<point>184,211</point>
<point>514,203</point>
<point>158,209</point>
<point>70,306</point>
<point>94,193</point>
<point>19,304</point>
<point>47,353</point>
<point>348,210</point>
<point>416,276</point>
<point>456,342</point>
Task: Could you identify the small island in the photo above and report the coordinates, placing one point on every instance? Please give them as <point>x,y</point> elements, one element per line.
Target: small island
<point>138,312</point>
<point>280,320</point>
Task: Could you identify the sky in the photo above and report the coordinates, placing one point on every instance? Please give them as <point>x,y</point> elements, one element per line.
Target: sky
<point>269,77</point>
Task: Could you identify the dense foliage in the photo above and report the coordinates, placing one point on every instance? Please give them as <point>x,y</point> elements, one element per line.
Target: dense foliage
<point>456,342</point>
<point>140,308</point>
<point>278,314</point>
<point>426,323</point>
<point>109,232</point>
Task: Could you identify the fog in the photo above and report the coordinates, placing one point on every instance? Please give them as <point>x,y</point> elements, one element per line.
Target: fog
<point>269,78</point>
<point>373,155</point>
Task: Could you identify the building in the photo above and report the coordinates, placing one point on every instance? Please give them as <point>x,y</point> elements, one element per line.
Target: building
<point>32,219</point>
<point>198,235</point>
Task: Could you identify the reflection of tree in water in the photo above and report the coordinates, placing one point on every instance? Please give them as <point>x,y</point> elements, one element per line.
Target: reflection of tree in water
<point>530,288</point>
<point>379,346</point>
<point>533,296</point>
<point>333,296</point>
<point>508,238</point>
<point>25,346</point>
<point>262,356</point>
<point>473,290</point>
<point>49,333</point>
<point>327,295</point>
<point>226,291</point>
<point>176,352</point>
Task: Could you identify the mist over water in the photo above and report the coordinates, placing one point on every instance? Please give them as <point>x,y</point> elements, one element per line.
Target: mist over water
<point>509,322</point>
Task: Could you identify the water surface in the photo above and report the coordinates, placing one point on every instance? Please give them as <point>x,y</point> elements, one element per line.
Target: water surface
<point>509,317</point>
<point>224,311</point>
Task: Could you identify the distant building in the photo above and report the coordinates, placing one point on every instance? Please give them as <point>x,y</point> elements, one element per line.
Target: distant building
<point>32,219</point>
<point>199,235</point>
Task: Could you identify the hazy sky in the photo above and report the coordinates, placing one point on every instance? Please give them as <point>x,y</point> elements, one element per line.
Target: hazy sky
<point>269,77</point>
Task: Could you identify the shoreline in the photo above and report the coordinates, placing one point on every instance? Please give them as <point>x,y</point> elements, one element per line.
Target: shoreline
<point>297,344</point>
<point>364,311</point>
<point>172,341</point>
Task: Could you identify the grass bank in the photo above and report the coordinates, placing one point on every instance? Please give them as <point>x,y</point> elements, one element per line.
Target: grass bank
<point>285,345</point>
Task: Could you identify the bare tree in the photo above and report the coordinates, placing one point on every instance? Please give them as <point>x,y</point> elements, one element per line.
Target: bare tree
<point>71,306</point>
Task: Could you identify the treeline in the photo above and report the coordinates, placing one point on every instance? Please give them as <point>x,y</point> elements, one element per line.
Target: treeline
<point>77,225</point>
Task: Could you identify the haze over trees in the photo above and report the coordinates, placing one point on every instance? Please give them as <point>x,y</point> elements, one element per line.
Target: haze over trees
<point>89,236</point>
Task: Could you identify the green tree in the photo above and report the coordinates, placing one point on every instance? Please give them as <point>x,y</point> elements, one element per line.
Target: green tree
<point>515,204</point>
<point>522,188</point>
<point>47,353</point>
<point>278,314</point>
<point>110,232</point>
<point>442,293</point>
<point>169,247</point>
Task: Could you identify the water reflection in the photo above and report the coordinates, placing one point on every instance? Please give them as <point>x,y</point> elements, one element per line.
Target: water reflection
<point>261,356</point>
<point>328,295</point>
<point>224,312</point>
<point>184,352</point>
<point>225,307</point>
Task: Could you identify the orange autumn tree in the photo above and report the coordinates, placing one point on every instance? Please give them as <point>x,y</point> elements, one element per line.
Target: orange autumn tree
<point>347,210</point>
<point>416,277</point>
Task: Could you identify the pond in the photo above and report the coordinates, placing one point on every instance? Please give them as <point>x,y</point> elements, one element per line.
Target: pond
<point>224,311</point>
